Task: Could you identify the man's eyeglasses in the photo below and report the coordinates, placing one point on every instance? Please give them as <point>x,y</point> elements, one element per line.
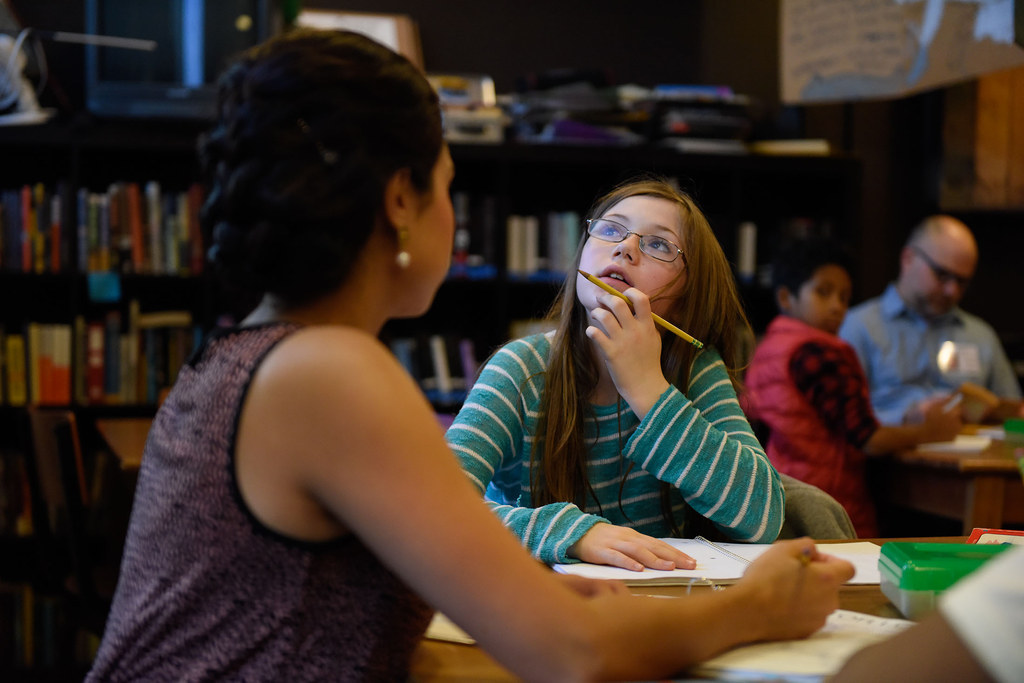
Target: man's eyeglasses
<point>941,274</point>
<point>652,245</point>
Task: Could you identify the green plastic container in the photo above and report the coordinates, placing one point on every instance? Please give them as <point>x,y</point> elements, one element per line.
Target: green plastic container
<point>914,575</point>
<point>1014,429</point>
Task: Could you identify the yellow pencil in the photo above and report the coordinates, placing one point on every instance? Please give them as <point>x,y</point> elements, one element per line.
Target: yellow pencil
<point>657,318</point>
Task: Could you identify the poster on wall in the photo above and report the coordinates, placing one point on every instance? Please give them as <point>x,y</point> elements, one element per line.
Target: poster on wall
<point>398,31</point>
<point>843,50</point>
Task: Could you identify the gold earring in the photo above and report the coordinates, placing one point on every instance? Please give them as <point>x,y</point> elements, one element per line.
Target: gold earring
<point>402,258</point>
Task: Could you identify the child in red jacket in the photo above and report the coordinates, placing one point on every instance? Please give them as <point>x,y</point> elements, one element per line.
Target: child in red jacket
<point>807,386</point>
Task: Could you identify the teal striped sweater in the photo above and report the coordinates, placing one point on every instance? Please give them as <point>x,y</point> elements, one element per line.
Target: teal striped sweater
<point>700,442</point>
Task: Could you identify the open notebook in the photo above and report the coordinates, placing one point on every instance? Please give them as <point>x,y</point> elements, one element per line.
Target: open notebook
<point>725,563</point>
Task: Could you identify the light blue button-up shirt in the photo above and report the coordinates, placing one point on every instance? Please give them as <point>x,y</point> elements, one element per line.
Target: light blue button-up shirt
<point>900,352</point>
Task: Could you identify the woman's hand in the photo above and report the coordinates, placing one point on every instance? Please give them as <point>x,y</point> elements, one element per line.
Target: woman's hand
<point>792,588</point>
<point>620,546</point>
<point>630,345</point>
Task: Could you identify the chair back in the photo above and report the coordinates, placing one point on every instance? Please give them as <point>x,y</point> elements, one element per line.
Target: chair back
<point>813,512</point>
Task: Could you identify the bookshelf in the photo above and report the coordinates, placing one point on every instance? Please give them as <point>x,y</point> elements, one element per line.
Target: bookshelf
<point>55,295</point>
<point>497,187</point>
<point>98,224</point>
<point>498,184</point>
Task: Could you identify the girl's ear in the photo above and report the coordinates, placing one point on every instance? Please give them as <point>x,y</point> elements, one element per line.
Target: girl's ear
<point>400,199</point>
<point>784,299</point>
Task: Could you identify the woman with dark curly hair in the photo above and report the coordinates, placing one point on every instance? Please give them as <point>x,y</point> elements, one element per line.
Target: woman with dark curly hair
<point>297,508</point>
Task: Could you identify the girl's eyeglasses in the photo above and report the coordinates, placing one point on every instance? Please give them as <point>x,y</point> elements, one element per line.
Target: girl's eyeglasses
<point>654,246</point>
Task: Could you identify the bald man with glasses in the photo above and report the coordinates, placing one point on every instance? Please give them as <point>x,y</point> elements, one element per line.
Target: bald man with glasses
<point>916,344</point>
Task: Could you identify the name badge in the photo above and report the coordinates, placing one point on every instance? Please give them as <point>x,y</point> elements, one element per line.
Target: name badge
<point>959,358</point>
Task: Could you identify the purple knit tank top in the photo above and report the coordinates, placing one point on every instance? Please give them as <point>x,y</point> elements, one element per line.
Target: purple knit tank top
<point>207,592</point>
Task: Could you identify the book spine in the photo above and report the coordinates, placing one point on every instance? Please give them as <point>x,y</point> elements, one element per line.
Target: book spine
<point>94,363</point>
<point>92,227</point>
<point>460,245</point>
<point>39,228</point>
<point>33,342</point>
<point>82,229</point>
<point>531,245</point>
<point>439,359</point>
<point>170,230</point>
<point>515,254</point>
<point>131,344</point>
<point>470,366</point>
<point>79,366</point>
<point>17,380</point>
<point>26,229</point>
<point>56,242</point>
<point>138,240</point>
<point>154,218</point>
<point>44,361</point>
<point>112,357</point>
<point>746,257</point>
<point>118,230</point>
<point>184,235</point>
<point>103,229</point>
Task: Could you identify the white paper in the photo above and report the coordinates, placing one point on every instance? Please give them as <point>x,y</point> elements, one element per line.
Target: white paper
<point>718,567</point>
<point>443,628</point>
<point>963,443</point>
<point>821,654</point>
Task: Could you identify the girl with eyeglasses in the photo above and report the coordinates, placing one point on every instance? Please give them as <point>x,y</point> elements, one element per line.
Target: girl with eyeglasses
<point>594,440</point>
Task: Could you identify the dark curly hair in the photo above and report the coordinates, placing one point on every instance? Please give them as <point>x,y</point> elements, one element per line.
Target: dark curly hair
<point>798,258</point>
<point>311,125</point>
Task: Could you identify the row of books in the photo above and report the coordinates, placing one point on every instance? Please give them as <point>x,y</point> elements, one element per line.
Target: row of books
<point>33,238</point>
<point>128,228</point>
<point>445,366</point>
<point>541,247</point>
<point>105,361</point>
<point>535,246</point>
<point>134,228</point>
<point>475,247</point>
<point>37,634</point>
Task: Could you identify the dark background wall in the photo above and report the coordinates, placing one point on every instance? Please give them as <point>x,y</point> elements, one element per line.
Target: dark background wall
<point>732,42</point>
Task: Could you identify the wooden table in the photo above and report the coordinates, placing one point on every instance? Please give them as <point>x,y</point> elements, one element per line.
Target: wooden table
<point>126,437</point>
<point>982,489</point>
<point>439,662</point>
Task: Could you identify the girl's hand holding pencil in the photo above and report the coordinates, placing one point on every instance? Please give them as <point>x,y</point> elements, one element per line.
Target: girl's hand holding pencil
<point>630,344</point>
<point>657,318</point>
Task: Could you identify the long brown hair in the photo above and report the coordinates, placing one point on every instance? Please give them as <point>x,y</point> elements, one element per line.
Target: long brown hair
<point>707,306</point>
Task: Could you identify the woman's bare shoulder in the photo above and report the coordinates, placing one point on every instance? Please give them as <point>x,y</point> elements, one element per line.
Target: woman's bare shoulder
<point>323,351</point>
<point>323,366</point>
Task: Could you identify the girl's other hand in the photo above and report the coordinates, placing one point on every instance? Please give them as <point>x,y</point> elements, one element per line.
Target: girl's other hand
<point>619,546</point>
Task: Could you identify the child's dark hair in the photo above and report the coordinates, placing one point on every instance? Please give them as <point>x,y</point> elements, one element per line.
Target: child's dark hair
<point>797,259</point>
<point>311,126</point>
